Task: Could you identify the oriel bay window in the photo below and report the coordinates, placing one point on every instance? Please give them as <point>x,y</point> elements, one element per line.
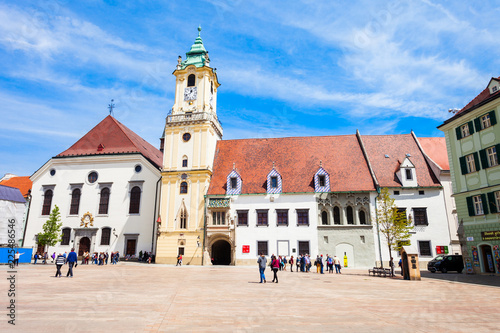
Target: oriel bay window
<point>219,218</point>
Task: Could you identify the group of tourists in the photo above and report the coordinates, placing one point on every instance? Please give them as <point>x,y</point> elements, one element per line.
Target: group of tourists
<point>62,259</point>
<point>145,257</point>
<point>303,263</point>
<point>42,256</point>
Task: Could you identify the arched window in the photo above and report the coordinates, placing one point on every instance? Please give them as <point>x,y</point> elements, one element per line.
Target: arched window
<point>105,236</point>
<point>104,201</point>
<point>184,187</point>
<point>350,216</point>
<point>66,232</point>
<point>135,200</point>
<point>324,218</point>
<point>211,87</point>
<point>47,202</point>
<point>191,80</point>
<point>336,215</point>
<point>75,201</point>
<point>362,217</point>
<point>183,219</point>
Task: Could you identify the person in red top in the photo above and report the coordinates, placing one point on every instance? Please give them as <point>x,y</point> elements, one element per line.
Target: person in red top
<point>275,265</point>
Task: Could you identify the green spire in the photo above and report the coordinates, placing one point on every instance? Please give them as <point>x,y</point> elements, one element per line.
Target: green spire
<point>197,55</point>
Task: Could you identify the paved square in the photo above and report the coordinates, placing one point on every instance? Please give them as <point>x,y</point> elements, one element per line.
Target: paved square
<point>135,297</point>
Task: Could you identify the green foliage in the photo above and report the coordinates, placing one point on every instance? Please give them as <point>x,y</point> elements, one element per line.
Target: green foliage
<point>51,229</point>
<point>393,223</point>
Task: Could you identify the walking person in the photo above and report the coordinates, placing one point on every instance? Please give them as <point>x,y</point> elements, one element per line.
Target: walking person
<point>262,267</point>
<point>275,265</point>
<point>291,263</point>
<point>71,260</point>
<point>35,257</point>
<point>60,261</point>
<point>336,262</point>
<point>179,260</point>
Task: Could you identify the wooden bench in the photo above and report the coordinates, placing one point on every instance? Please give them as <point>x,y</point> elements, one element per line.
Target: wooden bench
<point>380,271</point>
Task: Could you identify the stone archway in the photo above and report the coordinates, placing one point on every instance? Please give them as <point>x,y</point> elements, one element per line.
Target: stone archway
<point>84,246</point>
<point>221,252</point>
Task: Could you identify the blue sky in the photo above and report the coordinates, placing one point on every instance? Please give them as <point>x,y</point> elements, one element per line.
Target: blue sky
<point>287,68</point>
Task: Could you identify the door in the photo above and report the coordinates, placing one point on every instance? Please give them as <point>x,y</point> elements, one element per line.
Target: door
<point>84,246</point>
<point>487,254</point>
<point>131,247</point>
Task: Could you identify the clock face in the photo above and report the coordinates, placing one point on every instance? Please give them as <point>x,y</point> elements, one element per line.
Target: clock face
<point>190,93</point>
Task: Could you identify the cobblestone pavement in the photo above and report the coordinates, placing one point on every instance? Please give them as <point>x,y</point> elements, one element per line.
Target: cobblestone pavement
<point>135,297</point>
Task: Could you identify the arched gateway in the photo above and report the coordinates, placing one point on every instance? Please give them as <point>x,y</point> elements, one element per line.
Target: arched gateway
<point>221,253</point>
<point>84,246</point>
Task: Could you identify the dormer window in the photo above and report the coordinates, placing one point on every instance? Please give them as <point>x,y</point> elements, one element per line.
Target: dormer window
<point>274,182</point>
<point>321,181</point>
<point>233,183</point>
<point>494,89</point>
<point>409,175</point>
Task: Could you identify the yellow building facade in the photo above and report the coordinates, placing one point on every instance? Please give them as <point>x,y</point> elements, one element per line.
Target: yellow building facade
<point>190,137</point>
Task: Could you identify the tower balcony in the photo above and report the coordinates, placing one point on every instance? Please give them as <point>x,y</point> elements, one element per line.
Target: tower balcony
<point>194,117</point>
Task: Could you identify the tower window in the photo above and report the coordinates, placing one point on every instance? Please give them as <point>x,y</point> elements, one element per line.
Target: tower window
<point>212,87</point>
<point>191,80</point>
<point>183,219</point>
<point>185,163</point>
<point>184,187</point>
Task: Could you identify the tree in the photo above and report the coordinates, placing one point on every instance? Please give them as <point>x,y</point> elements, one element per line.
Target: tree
<point>392,222</point>
<point>51,229</point>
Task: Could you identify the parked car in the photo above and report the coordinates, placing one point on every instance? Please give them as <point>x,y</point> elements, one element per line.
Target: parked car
<point>445,263</point>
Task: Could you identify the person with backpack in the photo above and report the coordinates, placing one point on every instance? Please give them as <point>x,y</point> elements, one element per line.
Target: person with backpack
<point>329,261</point>
<point>60,261</point>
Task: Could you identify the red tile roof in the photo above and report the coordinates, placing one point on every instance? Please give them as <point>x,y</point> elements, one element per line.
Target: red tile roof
<point>112,137</point>
<point>22,183</point>
<point>435,148</point>
<point>296,159</point>
<point>396,147</point>
<point>483,95</point>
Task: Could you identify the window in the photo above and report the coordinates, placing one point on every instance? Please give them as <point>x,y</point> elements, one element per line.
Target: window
<point>421,192</point>
<point>242,217</point>
<point>478,205</point>
<point>104,201</point>
<point>325,239</point>
<point>425,248</point>
<point>471,166</point>
<point>274,182</point>
<point>350,215</point>
<point>135,200</point>
<point>303,247</point>
<point>191,80</point>
<point>420,216</point>
<point>105,236</point>
<point>362,239</point>
<point>282,215</point>
<point>75,201</point>
<point>234,182</point>
<point>302,216</point>
<point>470,163</point>
<point>52,172</point>
<point>336,215</point>
<point>218,218</point>
<point>262,248</point>
<point>396,192</point>
<point>183,219</point>
<point>186,136</point>
<point>324,218</point>
<point>409,175</point>
<point>262,217</point>
<point>180,251</point>
<point>184,188</point>
<point>185,163</point>
<point>47,202</point>
<point>66,232</point>
<point>138,168</point>
<point>92,177</point>
<point>465,130</point>
<point>322,180</point>
<point>362,217</point>
<point>496,201</point>
<point>485,121</point>
<point>492,156</point>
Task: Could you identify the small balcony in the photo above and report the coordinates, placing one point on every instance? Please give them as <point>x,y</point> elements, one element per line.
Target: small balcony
<point>192,117</point>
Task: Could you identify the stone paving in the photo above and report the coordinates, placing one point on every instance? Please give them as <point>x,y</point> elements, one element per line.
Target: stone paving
<point>135,297</point>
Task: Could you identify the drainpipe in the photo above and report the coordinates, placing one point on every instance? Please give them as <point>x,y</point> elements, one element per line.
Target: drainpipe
<point>204,229</point>
<point>153,245</point>
<point>378,229</point>
<point>27,216</point>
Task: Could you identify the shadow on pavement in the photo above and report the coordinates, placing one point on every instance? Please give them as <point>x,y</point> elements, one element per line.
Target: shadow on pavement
<point>486,280</point>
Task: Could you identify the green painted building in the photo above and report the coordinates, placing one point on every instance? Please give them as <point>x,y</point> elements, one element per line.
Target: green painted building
<point>473,144</point>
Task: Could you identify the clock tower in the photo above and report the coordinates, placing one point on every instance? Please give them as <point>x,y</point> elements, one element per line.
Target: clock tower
<point>190,137</point>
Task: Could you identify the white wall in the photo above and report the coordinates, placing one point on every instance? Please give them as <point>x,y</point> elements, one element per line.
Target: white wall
<point>118,170</point>
<point>10,210</point>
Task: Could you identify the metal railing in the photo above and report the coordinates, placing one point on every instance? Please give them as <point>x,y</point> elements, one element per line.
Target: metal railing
<point>194,116</point>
